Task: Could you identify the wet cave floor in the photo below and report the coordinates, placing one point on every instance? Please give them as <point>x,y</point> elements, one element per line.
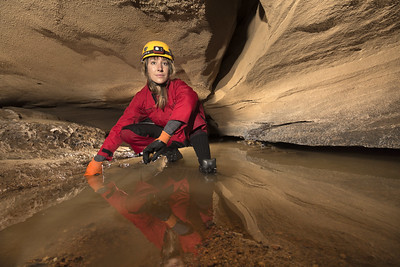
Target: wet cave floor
<point>270,206</point>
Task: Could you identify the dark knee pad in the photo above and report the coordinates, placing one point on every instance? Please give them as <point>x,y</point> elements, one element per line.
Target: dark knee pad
<point>150,130</point>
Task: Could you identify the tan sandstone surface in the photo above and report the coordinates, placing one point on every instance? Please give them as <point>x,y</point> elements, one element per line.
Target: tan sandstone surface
<point>89,51</point>
<point>314,73</point>
<point>307,72</point>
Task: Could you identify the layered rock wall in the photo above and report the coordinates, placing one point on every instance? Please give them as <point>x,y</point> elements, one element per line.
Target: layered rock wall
<point>304,72</point>
<point>314,73</point>
<point>88,52</point>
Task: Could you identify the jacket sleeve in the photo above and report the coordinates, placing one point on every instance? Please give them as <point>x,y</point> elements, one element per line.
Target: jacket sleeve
<point>186,101</point>
<point>132,114</point>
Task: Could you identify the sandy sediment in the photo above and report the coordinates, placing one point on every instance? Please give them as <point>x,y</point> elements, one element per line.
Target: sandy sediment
<point>42,160</point>
<point>272,207</point>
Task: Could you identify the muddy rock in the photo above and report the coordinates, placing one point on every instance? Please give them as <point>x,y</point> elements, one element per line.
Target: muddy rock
<point>42,161</point>
<point>226,247</point>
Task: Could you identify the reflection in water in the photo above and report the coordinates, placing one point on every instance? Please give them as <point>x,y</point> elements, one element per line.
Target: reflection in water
<point>311,207</point>
<point>159,207</point>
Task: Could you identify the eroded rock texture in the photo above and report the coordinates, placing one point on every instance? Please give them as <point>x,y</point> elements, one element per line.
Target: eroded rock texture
<point>314,73</point>
<point>305,72</point>
<point>60,51</point>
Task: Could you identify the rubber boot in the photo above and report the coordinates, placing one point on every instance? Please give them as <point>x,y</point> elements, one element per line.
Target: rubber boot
<point>208,166</point>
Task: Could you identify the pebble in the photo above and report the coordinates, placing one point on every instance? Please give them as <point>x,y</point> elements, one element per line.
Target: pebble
<point>275,247</point>
<point>124,165</point>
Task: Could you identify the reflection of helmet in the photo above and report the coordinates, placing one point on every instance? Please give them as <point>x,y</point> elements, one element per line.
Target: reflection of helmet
<point>157,49</point>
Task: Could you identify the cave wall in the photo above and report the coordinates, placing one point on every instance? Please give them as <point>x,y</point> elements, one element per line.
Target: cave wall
<point>88,52</point>
<point>323,73</point>
<point>305,72</point>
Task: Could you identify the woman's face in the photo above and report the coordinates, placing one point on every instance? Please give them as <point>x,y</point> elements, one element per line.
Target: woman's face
<point>158,69</point>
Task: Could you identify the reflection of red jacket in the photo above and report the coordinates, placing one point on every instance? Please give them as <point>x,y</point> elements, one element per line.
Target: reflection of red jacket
<point>152,227</point>
<point>183,105</point>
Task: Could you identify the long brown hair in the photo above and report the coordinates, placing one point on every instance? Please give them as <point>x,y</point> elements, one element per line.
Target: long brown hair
<point>160,90</point>
<point>171,249</point>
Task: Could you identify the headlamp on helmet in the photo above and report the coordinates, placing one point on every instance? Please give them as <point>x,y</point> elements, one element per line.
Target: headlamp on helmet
<point>157,49</point>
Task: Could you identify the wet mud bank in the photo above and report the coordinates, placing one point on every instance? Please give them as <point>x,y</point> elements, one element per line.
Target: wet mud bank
<point>272,206</point>
<point>42,158</point>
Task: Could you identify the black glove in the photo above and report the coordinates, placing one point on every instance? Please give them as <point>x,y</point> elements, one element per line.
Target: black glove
<point>157,147</point>
<point>161,212</point>
<point>157,207</point>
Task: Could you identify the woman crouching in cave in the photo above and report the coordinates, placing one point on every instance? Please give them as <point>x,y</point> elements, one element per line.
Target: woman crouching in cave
<point>162,117</point>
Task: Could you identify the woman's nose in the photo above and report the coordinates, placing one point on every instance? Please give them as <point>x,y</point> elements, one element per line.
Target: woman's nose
<point>160,67</point>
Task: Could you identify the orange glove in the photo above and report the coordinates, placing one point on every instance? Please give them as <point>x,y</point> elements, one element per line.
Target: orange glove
<point>94,175</point>
<point>94,168</point>
<point>95,182</point>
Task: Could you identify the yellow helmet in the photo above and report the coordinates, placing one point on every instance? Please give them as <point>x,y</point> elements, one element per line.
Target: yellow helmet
<point>157,49</point>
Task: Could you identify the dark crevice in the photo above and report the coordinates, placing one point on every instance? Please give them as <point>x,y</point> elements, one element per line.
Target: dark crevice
<point>289,123</point>
<point>219,38</point>
<point>267,126</point>
<point>246,13</point>
<point>318,27</point>
<point>126,3</point>
<point>261,13</point>
<point>355,150</point>
<point>250,101</point>
<point>338,149</point>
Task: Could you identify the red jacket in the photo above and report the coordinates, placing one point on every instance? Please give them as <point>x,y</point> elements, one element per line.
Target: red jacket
<point>152,227</point>
<point>183,105</point>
